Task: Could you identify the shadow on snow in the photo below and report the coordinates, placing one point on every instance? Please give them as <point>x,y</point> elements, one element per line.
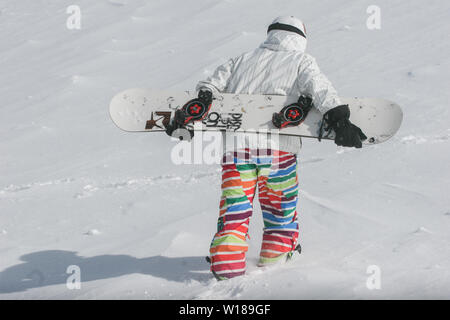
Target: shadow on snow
<point>45,268</point>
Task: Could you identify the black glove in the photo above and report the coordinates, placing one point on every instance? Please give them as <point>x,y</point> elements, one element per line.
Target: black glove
<point>347,134</point>
<point>179,120</point>
<point>206,96</point>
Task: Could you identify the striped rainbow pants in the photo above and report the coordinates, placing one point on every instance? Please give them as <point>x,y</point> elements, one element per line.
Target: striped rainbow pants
<point>274,174</point>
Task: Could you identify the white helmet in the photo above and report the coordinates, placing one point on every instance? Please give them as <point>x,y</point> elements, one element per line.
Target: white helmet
<point>288,23</point>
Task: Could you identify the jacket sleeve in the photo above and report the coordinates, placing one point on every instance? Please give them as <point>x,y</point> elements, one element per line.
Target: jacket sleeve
<point>313,82</point>
<point>219,80</point>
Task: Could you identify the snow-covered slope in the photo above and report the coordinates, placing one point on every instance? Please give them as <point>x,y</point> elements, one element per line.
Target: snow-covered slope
<point>75,190</point>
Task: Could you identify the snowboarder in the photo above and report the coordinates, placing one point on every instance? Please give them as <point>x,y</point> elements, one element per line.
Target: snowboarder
<point>278,66</point>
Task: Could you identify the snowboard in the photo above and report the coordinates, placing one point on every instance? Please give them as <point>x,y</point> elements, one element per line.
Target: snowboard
<point>148,110</point>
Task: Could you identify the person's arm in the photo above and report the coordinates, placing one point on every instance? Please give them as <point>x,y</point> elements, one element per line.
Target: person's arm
<point>312,82</point>
<point>219,80</point>
<point>324,97</point>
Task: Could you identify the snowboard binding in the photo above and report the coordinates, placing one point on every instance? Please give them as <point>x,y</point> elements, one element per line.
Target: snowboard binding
<point>294,114</point>
<point>193,110</point>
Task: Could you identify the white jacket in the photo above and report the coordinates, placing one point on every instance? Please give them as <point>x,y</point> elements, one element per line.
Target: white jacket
<point>279,66</point>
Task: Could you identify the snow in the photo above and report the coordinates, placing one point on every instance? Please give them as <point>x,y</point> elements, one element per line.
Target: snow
<point>75,190</point>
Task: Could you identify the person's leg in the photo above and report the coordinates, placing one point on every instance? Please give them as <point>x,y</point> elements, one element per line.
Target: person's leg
<point>229,244</point>
<point>278,193</point>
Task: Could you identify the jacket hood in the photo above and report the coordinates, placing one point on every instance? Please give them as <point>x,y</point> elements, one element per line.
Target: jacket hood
<point>281,40</point>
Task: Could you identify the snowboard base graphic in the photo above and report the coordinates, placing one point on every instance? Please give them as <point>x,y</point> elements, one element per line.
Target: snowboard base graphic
<point>147,110</point>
